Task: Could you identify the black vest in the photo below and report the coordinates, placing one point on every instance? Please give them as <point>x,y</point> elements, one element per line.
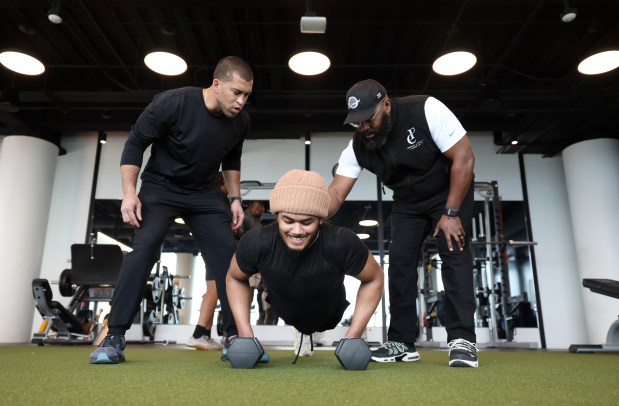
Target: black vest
<point>409,163</point>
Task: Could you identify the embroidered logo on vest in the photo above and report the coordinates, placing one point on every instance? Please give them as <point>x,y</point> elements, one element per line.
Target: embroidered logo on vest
<point>410,138</point>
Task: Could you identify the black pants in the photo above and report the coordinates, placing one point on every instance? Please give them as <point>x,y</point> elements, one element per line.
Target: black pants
<point>410,225</point>
<point>207,214</point>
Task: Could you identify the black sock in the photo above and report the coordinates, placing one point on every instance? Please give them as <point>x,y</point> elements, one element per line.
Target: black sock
<point>200,331</point>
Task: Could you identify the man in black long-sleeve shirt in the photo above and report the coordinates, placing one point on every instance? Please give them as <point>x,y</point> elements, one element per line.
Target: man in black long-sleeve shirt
<point>193,131</point>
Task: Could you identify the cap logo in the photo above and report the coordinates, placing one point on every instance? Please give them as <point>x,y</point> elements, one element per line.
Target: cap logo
<point>353,102</point>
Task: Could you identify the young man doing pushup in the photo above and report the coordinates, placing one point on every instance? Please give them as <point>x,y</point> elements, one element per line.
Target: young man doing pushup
<point>304,260</point>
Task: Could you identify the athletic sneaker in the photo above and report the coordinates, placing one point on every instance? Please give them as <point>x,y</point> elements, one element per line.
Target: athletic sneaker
<point>304,342</point>
<point>224,353</point>
<point>462,353</point>
<point>393,351</point>
<point>204,343</point>
<point>110,351</point>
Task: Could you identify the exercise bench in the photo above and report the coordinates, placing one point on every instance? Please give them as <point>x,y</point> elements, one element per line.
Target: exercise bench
<point>607,287</point>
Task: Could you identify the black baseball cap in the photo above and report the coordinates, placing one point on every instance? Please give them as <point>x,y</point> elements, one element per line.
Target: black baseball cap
<point>362,98</point>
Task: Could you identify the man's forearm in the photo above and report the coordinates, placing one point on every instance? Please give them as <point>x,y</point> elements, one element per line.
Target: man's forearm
<point>233,182</point>
<point>129,177</point>
<point>460,181</point>
<point>368,297</point>
<point>238,298</point>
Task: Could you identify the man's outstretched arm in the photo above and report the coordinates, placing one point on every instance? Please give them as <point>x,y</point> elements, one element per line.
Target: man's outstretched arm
<point>370,291</point>
<point>237,287</point>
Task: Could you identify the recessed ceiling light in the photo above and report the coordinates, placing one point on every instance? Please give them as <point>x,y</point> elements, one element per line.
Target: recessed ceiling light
<point>599,63</point>
<point>309,63</point>
<point>368,223</point>
<point>165,63</point>
<point>568,15</point>
<point>21,63</point>
<point>363,236</point>
<point>454,63</point>
<point>53,14</point>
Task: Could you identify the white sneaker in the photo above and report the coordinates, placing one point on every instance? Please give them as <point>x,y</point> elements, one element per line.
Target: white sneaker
<point>204,343</point>
<point>306,346</point>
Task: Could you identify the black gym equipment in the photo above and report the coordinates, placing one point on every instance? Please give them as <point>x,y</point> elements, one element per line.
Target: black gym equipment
<point>245,352</point>
<point>607,287</point>
<point>93,273</point>
<point>56,316</point>
<point>353,354</point>
<point>163,298</point>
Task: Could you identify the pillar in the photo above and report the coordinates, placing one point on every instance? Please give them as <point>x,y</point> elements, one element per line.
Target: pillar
<point>592,180</point>
<point>184,269</point>
<point>27,168</point>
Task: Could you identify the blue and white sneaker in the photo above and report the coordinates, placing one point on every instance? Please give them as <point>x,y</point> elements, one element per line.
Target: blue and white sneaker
<point>110,351</point>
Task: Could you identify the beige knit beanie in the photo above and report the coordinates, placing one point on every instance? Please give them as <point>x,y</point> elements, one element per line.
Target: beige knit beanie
<point>300,192</point>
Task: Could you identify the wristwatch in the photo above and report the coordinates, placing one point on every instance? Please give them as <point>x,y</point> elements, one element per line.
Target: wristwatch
<point>451,212</point>
<point>233,198</point>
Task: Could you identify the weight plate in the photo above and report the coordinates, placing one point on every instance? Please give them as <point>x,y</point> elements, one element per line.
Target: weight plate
<point>64,284</point>
<point>149,325</point>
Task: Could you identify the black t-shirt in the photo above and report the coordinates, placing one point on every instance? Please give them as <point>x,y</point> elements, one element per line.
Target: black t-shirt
<point>306,288</point>
<point>188,143</point>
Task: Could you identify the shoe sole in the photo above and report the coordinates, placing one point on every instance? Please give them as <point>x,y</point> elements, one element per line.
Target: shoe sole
<point>104,359</point>
<point>463,363</point>
<point>203,348</point>
<point>406,357</point>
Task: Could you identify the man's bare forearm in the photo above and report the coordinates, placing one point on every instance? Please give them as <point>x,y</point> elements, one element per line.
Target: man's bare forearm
<point>129,176</point>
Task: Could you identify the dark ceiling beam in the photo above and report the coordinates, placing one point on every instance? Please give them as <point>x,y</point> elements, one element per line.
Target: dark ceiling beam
<point>111,48</point>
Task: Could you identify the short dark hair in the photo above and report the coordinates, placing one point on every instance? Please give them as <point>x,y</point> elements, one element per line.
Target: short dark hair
<point>229,65</point>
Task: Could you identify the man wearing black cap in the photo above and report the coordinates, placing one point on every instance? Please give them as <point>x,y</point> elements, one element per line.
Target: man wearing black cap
<point>418,148</point>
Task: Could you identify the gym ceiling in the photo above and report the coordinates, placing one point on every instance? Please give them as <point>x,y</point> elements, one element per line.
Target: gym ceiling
<point>525,85</point>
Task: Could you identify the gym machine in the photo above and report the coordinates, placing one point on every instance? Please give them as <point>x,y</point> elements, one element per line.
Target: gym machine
<point>90,280</point>
<point>163,299</point>
<point>495,305</point>
<point>607,287</point>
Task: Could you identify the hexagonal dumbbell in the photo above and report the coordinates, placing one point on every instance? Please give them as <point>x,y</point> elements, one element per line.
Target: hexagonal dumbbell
<point>245,352</point>
<point>353,353</point>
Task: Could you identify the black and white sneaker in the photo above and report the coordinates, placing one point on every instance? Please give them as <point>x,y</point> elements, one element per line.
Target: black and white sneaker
<point>462,353</point>
<point>392,351</point>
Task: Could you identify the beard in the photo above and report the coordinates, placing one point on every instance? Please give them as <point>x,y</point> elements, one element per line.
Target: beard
<point>380,135</point>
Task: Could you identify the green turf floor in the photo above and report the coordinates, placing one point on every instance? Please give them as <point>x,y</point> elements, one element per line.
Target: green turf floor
<point>153,375</point>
